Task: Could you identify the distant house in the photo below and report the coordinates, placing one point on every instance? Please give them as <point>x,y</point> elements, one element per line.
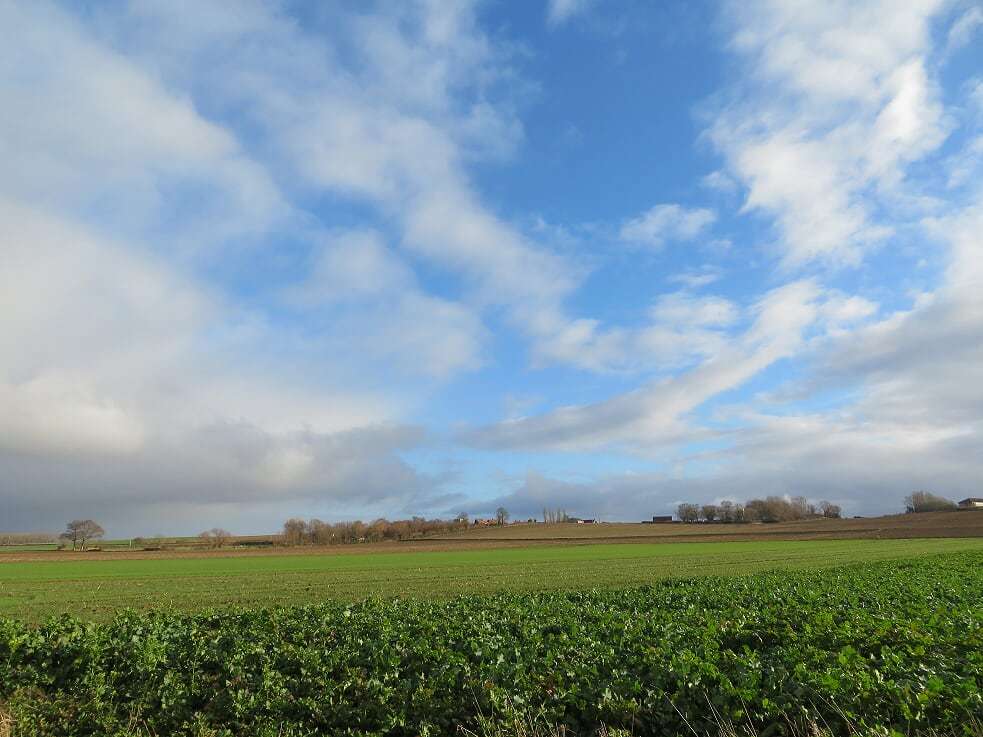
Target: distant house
<point>972,502</point>
<point>658,519</point>
<point>586,521</point>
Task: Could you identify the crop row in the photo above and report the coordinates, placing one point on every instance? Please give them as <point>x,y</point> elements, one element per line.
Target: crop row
<point>894,645</point>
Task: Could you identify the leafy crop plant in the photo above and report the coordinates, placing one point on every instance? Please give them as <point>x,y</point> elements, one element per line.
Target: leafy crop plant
<point>867,649</point>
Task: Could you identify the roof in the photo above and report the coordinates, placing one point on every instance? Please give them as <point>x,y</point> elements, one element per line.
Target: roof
<point>972,499</point>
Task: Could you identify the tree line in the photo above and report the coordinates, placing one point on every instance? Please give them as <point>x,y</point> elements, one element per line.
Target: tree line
<point>769,509</point>
<point>552,516</point>
<point>925,501</point>
<point>27,538</point>
<point>298,531</point>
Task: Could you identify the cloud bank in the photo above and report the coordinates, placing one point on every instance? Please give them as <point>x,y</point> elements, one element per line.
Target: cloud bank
<point>255,263</point>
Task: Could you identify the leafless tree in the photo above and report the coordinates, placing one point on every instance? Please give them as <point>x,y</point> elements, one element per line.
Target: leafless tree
<point>81,531</point>
<point>798,508</point>
<point>688,512</point>
<point>294,531</point>
<point>730,511</point>
<point>216,537</point>
<point>829,510</point>
<point>317,532</point>
<point>926,501</point>
<point>552,516</point>
<point>709,512</point>
<point>26,538</point>
<point>501,515</point>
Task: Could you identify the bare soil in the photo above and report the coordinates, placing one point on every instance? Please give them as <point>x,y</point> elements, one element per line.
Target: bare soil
<point>964,523</point>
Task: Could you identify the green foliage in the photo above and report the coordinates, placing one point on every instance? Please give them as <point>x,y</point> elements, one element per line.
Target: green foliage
<point>35,590</point>
<point>892,645</point>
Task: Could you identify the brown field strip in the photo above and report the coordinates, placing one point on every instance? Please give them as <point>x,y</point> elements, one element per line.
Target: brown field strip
<point>928,525</point>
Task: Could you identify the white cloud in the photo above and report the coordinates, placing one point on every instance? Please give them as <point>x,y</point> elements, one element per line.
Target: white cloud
<point>88,109</point>
<point>366,299</point>
<point>910,420</point>
<point>838,101</point>
<point>653,418</point>
<point>354,264</point>
<point>694,279</point>
<point>152,150</point>
<point>962,31</point>
<point>681,308</point>
<point>559,12</point>
<point>719,181</point>
<point>681,329</point>
<point>976,96</point>
<point>394,128</point>
<point>109,352</point>
<point>127,160</point>
<point>666,223</point>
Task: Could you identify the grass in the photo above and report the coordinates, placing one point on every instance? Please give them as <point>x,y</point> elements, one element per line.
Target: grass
<point>95,589</point>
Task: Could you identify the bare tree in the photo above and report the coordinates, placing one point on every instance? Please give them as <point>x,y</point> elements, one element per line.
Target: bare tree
<point>798,508</point>
<point>552,516</point>
<point>298,531</point>
<point>501,515</point>
<point>81,531</point>
<point>27,538</point>
<point>758,510</point>
<point>216,537</point>
<point>778,509</point>
<point>709,512</point>
<point>926,501</point>
<point>830,510</point>
<point>319,532</point>
<point>730,511</point>
<point>688,512</point>
<point>294,531</point>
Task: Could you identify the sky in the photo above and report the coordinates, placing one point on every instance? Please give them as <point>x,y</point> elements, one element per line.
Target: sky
<point>263,259</point>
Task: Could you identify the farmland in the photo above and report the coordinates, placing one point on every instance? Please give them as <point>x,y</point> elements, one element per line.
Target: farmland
<point>574,630</point>
<point>893,644</point>
<point>963,523</point>
<point>94,586</point>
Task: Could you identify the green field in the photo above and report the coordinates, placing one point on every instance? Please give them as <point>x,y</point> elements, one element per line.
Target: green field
<point>95,589</point>
<point>876,649</point>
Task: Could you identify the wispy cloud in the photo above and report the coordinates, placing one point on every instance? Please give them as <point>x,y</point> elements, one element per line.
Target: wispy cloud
<point>824,125</point>
<point>666,223</point>
<point>249,259</point>
<point>653,418</point>
<point>559,12</point>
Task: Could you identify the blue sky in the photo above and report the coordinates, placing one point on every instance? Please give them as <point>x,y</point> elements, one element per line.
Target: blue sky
<point>265,259</point>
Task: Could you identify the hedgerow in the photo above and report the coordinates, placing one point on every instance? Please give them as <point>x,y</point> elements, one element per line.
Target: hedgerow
<point>894,645</point>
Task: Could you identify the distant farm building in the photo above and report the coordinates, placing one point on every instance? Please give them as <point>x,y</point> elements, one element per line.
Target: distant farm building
<point>586,521</point>
<point>973,502</point>
<point>658,519</point>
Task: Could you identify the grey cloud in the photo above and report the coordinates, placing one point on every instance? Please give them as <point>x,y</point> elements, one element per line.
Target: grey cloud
<point>226,471</point>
